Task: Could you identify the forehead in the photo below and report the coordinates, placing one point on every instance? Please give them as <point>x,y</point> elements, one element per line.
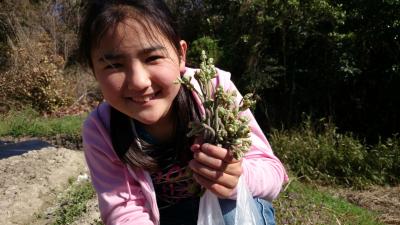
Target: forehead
<point>131,34</point>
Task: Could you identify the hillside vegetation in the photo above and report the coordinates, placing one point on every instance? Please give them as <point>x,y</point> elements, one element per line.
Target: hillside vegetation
<point>333,59</point>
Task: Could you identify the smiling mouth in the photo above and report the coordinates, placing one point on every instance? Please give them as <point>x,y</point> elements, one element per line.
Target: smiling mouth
<point>144,99</point>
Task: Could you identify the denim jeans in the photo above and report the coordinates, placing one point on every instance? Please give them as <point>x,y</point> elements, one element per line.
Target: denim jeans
<point>228,208</point>
<point>185,213</point>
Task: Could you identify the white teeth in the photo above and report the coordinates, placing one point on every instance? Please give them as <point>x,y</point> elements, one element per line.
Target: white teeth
<point>144,99</point>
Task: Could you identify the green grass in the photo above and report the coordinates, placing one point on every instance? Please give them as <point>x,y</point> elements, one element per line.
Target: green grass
<point>30,123</point>
<point>303,204</point>
<point>73,204</point>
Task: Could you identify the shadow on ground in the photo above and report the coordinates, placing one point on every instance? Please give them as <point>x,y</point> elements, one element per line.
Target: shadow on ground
<point>13,149</point>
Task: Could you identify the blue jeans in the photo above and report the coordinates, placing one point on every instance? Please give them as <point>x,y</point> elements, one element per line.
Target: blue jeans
<point>185,212</point>
<point>228,208</point>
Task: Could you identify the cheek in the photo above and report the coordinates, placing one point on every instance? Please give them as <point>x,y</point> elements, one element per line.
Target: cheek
<point>110,85</point>
<point>172,86</point>
<point>167,76</point>
<point>174,91</point>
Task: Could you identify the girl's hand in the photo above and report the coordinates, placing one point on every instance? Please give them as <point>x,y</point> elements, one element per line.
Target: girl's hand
<point>215,169</point>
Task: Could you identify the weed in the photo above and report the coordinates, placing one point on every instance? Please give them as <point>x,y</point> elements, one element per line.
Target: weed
<point>97,222</point>
<point>334,158</point>
<point>73,204</point>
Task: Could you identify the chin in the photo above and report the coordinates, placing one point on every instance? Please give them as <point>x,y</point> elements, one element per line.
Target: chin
<point>148,121</point>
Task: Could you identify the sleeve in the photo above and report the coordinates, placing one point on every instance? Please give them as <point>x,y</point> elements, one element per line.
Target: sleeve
<point>121,200</point>
<point>263,171</point>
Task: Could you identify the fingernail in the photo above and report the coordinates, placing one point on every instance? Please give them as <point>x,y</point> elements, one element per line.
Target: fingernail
<point>195,147</point>
<point>204,146</point>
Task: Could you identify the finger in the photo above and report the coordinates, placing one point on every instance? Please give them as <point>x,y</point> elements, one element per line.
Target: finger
<point>216,176</point>
<point>218,189</point>
<point>195,147</point>
<point>217,152</point>
<point>234,168</point>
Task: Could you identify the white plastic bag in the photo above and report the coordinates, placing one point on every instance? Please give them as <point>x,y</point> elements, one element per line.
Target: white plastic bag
<point>246,210</point>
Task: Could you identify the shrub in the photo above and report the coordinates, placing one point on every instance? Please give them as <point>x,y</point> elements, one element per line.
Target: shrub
<point>35,75</point>
<point>207,44</point>
<point>334,158</point>
<point>385,158</point>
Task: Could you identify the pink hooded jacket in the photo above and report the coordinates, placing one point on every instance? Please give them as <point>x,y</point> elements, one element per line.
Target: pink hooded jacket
<point>126,195</point>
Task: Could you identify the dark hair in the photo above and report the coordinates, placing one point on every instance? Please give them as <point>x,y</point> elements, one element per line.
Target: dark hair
<point>102,15</point>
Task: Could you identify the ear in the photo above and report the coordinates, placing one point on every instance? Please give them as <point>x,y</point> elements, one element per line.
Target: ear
<point>182,59</point>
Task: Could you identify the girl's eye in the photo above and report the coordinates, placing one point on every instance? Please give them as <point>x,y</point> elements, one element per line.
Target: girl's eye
<point>113,66</point>
<point>153,58</point>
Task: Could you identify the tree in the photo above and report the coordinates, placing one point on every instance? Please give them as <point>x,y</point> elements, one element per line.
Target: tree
<point>327,58</point>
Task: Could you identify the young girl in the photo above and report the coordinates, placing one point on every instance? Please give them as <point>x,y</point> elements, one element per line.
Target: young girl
<point>143,167</point>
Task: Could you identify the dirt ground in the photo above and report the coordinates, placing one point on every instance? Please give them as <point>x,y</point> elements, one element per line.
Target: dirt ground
<point>385,201</point>
<point>30,184</point>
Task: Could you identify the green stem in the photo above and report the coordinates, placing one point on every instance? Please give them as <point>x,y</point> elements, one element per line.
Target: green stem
<point>216,116</point>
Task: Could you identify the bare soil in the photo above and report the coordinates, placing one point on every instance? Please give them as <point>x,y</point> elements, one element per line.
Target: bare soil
<point>31,183</point>
<point>385,201</point>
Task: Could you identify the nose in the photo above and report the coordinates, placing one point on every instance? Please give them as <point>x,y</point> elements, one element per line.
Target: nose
<point>138,77</point>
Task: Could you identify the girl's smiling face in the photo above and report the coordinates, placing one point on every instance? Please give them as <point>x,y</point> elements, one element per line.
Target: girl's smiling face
<point>136,70</point>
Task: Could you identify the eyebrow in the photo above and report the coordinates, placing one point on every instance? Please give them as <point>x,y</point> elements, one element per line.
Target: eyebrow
<point>112,56</point>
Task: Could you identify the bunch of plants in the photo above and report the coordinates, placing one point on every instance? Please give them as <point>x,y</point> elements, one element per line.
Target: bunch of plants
<point>222,123</point>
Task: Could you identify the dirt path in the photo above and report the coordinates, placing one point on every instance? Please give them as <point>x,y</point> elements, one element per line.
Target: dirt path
<point>31,182</point>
